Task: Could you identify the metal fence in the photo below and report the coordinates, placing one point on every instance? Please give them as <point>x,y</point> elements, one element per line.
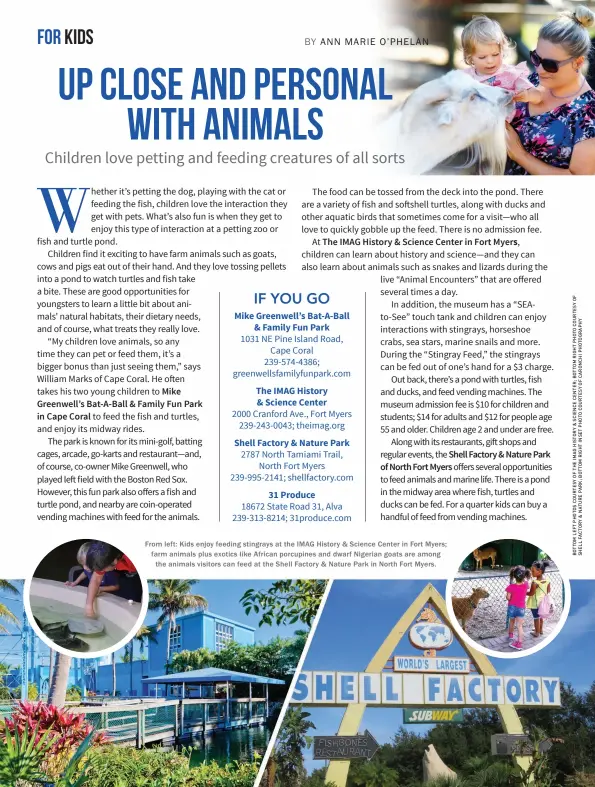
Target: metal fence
<point>138,722</point>
<point>490,617</point>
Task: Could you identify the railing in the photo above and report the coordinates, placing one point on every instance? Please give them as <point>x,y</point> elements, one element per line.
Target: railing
<point>212,714</point>
<point>144,721</point>
<point>490,617</point>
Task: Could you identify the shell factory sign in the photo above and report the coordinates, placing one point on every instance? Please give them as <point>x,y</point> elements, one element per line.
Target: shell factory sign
<point>420,689</point>
<point>426,680</point>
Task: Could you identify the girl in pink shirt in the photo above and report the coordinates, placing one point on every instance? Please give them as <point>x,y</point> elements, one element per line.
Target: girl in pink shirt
<point>484,46</point>
<point>516,594</point>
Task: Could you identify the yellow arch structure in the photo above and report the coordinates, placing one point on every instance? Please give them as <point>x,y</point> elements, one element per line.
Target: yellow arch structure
<point>338,770</point>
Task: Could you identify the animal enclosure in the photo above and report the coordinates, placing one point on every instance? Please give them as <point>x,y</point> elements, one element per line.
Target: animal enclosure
<point>489,619</point>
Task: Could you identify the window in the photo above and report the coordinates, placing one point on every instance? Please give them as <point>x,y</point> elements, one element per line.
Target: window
<point>223,635</point>
<point>175,638</point>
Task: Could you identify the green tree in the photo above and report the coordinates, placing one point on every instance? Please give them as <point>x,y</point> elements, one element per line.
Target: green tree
<point>186,660</point>
<point>74,694</point>
<point>454,742</point>
<point>5,612</point>
<point>375,773</point>
<point>262,659</point>
<point>286,601</point>
<point>574,722</point>
<point>143,636</point>
<point>291,740</point>
<point>404,755</point>
<point>488,771</point>
<point>4,690</point>
<point>540,771</point>
<point>293,649</point>
<point>32,692</point>
<point>172,597</point>
<point>315,779</point>
<point>275,659</point>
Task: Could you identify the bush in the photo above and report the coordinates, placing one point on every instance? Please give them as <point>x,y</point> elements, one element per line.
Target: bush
<point>32,692</point>
<point>66,731</point>
<point>114,766</point>
<point>73,694</point>
<point>581,779</point>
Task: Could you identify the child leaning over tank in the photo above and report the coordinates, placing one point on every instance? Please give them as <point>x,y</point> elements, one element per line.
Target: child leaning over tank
<point>103,558</point>
<point>109,583</point>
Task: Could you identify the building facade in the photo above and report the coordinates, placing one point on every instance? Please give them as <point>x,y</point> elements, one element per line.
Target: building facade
<point>203,629</point>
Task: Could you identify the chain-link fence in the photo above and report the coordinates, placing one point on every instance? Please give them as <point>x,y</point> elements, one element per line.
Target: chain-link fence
<point>118,725</point>
<point>193,716</point>
<point>489,619</point>
<point>134,723</point>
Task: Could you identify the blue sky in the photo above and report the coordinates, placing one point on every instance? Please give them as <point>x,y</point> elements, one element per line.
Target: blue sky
<point>223,597</point>
<point>359,614</point>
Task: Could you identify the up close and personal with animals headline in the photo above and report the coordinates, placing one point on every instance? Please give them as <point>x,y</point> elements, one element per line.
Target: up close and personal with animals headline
<point>295,465</point>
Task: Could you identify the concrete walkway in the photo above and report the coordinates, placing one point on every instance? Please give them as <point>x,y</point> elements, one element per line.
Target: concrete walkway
<point>501,643</point>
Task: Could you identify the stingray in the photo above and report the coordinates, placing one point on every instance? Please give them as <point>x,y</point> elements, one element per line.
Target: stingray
<point>62,636</point>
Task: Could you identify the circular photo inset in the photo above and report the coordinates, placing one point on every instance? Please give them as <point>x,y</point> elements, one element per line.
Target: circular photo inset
<point>508,597</point>
<point>86,598</point>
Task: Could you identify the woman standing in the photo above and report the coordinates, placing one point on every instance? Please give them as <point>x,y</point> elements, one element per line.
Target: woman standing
<point>557,136</point>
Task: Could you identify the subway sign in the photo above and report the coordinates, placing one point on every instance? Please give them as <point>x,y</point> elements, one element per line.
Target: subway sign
<point>432,715</point>
<point>416,690</point>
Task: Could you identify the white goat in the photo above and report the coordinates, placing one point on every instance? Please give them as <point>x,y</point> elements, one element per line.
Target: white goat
<point>448,115</point>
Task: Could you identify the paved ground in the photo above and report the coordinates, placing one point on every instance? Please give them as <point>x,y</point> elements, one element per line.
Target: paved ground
<point>501,643</point>
<point>488,622</point>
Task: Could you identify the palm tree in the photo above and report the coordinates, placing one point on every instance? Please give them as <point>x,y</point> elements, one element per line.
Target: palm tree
<point>5,613</point>
<point>50,666</point>
<point>171,597</point>
<point>114,674</point>
<point>144,635</point>
<point>59,684</point>
<point>484,771</point>
<point>291,741</point>
<point>376,774</point>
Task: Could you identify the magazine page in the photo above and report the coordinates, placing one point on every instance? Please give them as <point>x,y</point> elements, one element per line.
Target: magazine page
<point>295,395</point>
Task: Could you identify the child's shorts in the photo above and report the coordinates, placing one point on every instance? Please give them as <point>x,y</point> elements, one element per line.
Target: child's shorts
<point>515,612</point>
<point>535,613</point>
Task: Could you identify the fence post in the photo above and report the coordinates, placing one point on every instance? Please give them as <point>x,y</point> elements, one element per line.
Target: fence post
<point>140,728</point>
<point>179,720</point>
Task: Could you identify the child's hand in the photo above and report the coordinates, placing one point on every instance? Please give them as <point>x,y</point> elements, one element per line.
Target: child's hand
<point>90,612</point>
<point>69,584</point>
<point>532,95</point>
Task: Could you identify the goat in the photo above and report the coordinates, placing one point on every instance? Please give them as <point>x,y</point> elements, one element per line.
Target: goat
<point>465,606</point>
<point>448,115</point>
<point>489,553</point>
